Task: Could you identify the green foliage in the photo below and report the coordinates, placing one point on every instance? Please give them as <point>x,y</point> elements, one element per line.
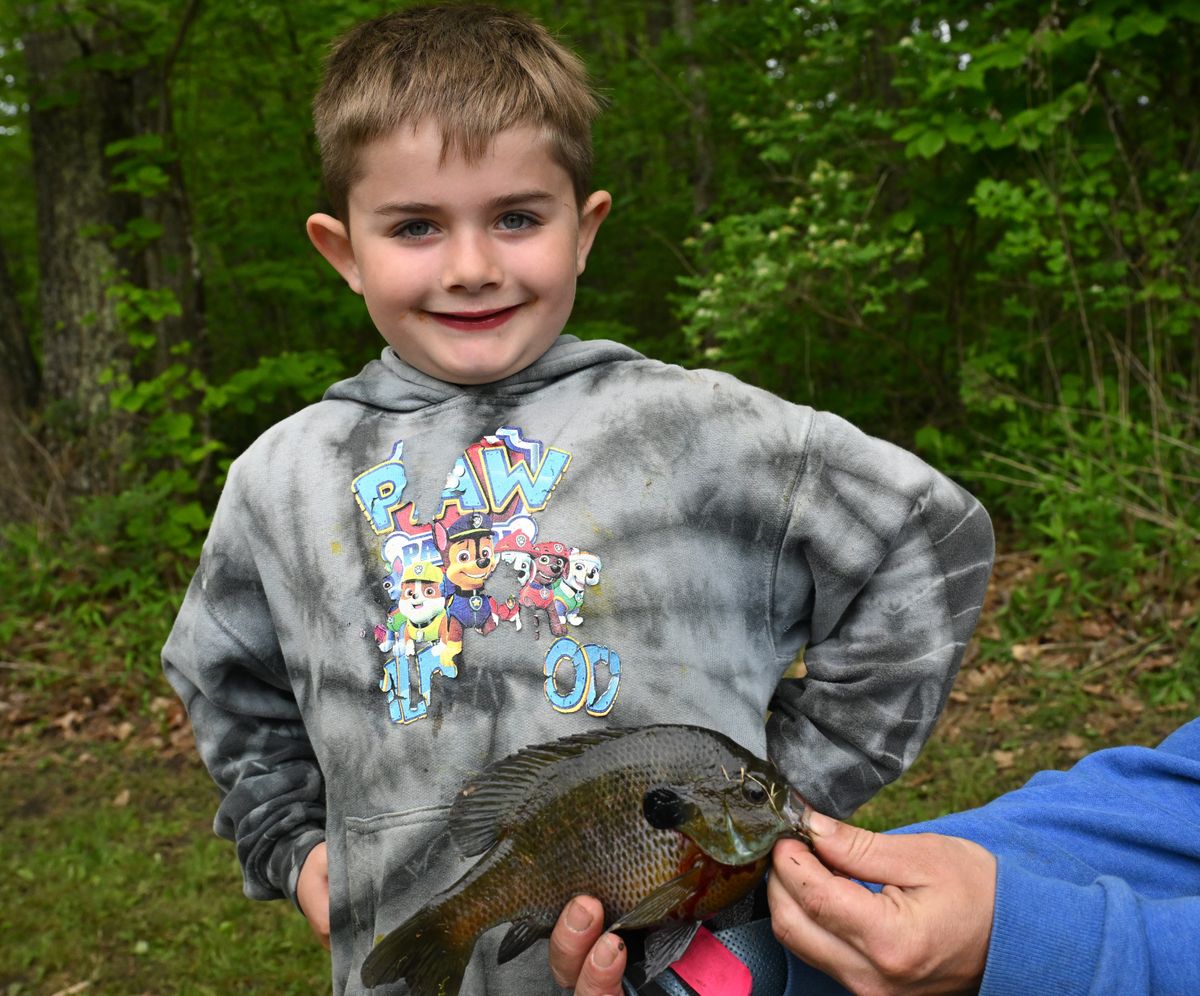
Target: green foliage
<point>987,215</point>
<point>972,227</point>
<point>121,564</point>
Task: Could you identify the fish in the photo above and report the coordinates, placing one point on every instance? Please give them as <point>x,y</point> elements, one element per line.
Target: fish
<point>665,825</point>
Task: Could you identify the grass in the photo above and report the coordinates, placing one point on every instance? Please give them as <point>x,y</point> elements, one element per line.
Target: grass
<point>117,884</point>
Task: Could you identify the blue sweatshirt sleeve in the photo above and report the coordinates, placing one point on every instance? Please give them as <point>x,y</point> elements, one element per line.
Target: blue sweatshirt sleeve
<point>1101,938</point>
<point>1098,873</point>
<point>1098,876</point>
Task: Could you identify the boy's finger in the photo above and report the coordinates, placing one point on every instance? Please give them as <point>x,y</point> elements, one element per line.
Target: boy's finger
<point>579,925</point>
<point>601,973</point>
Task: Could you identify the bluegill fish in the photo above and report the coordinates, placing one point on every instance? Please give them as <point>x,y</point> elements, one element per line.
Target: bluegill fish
<point>663,824</point>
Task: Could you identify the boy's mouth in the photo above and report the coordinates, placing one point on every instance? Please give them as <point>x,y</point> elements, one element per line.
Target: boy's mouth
<point>471,321</point>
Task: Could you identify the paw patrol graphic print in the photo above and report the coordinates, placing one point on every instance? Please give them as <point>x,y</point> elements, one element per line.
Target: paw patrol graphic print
<point>439,574</point>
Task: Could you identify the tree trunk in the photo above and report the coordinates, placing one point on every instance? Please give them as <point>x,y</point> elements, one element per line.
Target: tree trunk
<point>702,157</point>
<point>18,370</point>
<point>75,112</point>
<point>18,397</point>
<point>171,262</point>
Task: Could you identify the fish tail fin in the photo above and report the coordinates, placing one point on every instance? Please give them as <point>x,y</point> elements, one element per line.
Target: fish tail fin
<point>423,953</point>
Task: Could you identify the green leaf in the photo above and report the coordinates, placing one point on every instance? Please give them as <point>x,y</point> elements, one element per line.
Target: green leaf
<point>929,144</point>
<point>1142,22</point>
<point>909,131</point>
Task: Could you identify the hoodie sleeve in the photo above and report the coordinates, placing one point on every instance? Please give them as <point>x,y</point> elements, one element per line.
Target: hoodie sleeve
<point>223,659</point>
<point>880,580</point>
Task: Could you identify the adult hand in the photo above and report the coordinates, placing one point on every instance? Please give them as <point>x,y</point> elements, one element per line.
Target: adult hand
<point>582,955</point>
<point>312,892</point>
<point>926,932</point>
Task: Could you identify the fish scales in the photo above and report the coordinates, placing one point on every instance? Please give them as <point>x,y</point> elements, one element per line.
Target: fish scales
<point>659,823</point>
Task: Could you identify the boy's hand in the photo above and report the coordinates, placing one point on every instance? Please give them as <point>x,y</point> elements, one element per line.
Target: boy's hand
<point>312,892</point>
<point>926,932</point>
<point>580,957</point>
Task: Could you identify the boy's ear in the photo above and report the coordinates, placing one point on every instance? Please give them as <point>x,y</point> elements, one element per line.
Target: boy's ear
<point>595,210</point>
<point>332,240</point>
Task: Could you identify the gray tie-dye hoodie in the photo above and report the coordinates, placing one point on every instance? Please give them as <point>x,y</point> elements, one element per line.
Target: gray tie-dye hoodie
<point>411,579</point>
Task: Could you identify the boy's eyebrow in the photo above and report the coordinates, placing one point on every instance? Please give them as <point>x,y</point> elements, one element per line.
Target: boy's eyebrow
<point>505,200</point>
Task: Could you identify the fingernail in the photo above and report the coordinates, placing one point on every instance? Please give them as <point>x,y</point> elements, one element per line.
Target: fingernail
<point>606,951</point>
<point>820,824</point>
<point>578,917</point>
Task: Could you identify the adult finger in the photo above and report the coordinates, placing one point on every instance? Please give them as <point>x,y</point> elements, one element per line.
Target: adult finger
<point>809,940</point>
<point>838,905</point>
<point>861,854</point>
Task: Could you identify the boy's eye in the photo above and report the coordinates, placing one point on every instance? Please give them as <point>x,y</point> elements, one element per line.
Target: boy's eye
<point>415,229</point>
<point>514,221</point>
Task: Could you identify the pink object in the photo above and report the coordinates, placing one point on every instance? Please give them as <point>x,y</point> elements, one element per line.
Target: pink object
<point>712,969</point>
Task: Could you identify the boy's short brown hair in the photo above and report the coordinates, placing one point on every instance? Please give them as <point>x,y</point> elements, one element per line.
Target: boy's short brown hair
<point>473,70</point>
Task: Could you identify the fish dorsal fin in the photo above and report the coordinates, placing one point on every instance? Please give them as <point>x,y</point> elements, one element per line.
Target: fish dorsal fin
<point>484,810</point>
<point>662,901</point>
<point>522,934</point>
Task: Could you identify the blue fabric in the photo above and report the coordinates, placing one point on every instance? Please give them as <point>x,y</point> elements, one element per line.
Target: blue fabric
<point>1098,876</point>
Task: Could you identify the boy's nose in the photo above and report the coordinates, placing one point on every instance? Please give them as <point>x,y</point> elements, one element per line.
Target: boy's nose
<point>471,263</point>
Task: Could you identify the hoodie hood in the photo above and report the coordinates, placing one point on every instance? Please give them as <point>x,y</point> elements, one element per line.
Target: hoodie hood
<point>390,384</point>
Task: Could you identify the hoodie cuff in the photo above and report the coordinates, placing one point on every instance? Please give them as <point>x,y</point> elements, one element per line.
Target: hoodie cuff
<point>288,858</point>
<point>1045,932</point>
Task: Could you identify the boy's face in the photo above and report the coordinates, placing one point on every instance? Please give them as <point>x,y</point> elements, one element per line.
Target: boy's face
<point>468,270</point>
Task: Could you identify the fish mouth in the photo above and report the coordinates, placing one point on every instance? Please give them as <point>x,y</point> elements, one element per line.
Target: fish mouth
<point>795,813</point>
<point>740,848</point>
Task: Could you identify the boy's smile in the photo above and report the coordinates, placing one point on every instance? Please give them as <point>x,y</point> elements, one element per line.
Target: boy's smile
<point>467,269</point>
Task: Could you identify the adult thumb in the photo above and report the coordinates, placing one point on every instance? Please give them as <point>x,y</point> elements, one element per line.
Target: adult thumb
<point>861,854</point>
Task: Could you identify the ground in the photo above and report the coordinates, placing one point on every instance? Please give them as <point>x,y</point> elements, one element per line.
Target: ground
<point>118,884</point>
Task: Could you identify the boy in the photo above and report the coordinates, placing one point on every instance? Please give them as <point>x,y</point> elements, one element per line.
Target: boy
<point>735,529</point>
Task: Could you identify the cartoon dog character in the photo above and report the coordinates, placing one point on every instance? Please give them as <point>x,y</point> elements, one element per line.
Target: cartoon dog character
<point>385,636</point>
<point>515,550</point>
<point>520,562</point>
<point>549,561</point>
<point>583,572</point>
<point>467,547</point>
<point>424,606</point>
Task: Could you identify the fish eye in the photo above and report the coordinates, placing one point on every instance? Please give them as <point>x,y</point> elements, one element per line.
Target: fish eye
<point>753,792</point>
<point>663,808</point>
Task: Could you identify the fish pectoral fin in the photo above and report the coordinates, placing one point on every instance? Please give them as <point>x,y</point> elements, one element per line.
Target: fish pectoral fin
<point>666,946</point>
<point>522,934</point>
<point>662,901</point>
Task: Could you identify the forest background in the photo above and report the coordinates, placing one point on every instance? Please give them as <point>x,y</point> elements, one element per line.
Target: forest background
<point>969,228</point>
